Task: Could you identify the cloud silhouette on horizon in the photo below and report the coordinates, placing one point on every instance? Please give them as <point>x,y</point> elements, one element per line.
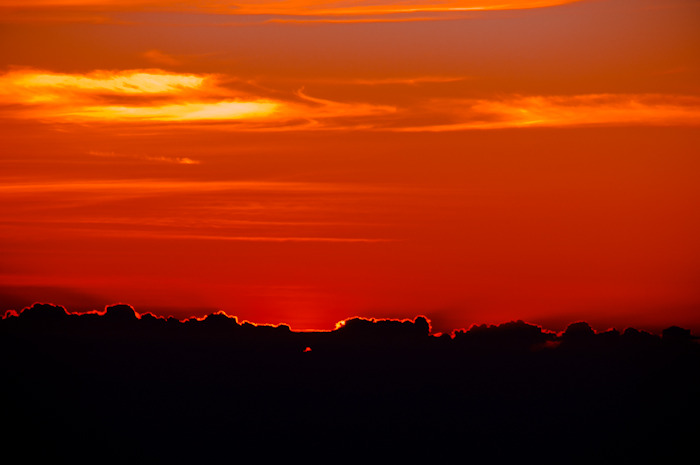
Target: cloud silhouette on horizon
<point>513,335</point>
<point>213,388</point>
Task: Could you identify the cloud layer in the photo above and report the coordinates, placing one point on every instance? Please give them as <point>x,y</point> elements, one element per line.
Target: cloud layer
<point>142,96</point>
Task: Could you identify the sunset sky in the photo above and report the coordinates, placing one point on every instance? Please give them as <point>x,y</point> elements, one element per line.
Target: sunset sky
<point>473,161</point>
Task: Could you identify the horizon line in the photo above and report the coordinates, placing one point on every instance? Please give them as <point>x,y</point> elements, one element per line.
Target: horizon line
<point>13,313</point>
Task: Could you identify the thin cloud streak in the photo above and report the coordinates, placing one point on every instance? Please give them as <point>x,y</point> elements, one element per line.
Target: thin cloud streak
<point>559,111</point>
<point>294,7</point>
<point>209,237</point>
<point>147,186</point>
<point>122,233</point>
<point>240,211</point>
<point>364,20</point>
<point>225,110</point>
<point>175,160</point>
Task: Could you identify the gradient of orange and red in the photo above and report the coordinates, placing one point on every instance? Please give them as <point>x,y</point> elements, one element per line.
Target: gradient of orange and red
<point>474,161</point>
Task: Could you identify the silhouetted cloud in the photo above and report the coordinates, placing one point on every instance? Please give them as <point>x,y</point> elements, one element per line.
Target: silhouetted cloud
<point>44,313</point>
<point>509,336</point>
<point>130,385</point>
<point>678,335</point>
<point>515,335</point>
<point>579,331</point>
<point>120,314</point>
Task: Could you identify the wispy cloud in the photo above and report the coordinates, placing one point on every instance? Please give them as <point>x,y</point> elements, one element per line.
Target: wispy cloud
<point>232,238</point>
<point>132,187</point>
<point>176,160</point>
<point>238,211</point>
<point>571,110</point>
<point>126,95</point>
<point>156,96</point>
<point>50,86</point>
<point>368,7</point>
<point>296,7</point>
<point>260,11</point>
<point>226,110</point>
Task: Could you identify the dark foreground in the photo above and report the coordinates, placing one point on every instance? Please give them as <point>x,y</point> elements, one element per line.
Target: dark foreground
<point>116,388</point>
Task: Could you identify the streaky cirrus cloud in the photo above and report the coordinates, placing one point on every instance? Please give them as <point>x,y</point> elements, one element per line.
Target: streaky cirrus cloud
<point>152,158</point>
<point>300,7</point>
<point>261,11</point>
<point>132,187</point>
<point>51,85</point>
<point>240,211</point>
<point>557,110</point>
<point>157,96</point>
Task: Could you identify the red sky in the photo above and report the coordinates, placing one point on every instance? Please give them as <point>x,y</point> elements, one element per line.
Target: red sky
<point>474,161</point>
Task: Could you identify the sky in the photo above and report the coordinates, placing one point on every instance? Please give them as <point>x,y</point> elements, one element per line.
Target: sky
<point>303,162</point>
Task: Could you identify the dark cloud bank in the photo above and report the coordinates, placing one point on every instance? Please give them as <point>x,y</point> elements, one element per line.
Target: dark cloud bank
<point>119,387</point>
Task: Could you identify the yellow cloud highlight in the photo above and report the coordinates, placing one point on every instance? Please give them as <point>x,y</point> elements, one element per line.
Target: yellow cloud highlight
<point>185,112</point>
<point>29,86</point>
<point>147,96</point>
<point>75,97</point>
<point>128,82</point>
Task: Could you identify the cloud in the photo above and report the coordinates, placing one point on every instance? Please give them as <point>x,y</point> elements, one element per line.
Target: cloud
<point>138,187</point>
<point>297,7</point>
<point>41,86</point>
<point>256,11</point>
<point>175,160</point>
<point>225,110</point>
<point>224,211</point>
<point>379,389</point>
<point>160,96</point>
<point>513,335</point>
<point>157,96</point>
<point>557,111</point>
<point>126,95</point>
<point>366,7</point>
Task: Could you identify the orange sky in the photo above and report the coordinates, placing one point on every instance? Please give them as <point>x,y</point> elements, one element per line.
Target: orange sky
<point>303,162</point>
